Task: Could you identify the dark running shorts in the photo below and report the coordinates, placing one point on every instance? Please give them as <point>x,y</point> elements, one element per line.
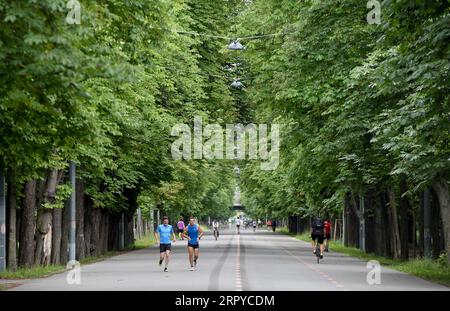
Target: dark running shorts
<point>164,247</point>
<point>328,236</point>
<point>318,237</point>
<point>180,230</point>
<point>193,245</point>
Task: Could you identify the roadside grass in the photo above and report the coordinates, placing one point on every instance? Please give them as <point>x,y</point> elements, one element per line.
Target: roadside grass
<point>42,272</point>
<point>6,286</point>
<point>143,242</point>
<point>432,270</point>
<point>31,273</point>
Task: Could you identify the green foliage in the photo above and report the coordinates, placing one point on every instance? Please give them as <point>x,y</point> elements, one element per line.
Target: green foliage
<point>362,104</point>
<point>106,93</point>
<point>62,195</point>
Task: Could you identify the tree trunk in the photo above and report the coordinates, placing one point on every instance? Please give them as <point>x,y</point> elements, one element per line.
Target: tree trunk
<point>436,228</point>
<point>88,213</point>
<point>12,206</point>
<point>355,221</point>
<point>26,245</point>
<point>420,225</point>
<point>440,187</point>
<point>380,238</point>
<point>80,249</point>
<point>96,221</point>
<point>44,222</point>
<point>56,236</point>
<point>105,231</point>
<point>404,221</point>
<point>65,234</point>
<point>395,236</point>
<point>414,230</point>
<point>57,228</point>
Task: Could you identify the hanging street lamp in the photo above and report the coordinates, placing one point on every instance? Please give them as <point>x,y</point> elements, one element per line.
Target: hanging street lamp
<point>235,45</point>
<point>236,84</point>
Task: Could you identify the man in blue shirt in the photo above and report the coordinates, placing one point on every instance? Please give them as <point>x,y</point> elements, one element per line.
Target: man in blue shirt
<point>162,237</point>
<point>194,233</point>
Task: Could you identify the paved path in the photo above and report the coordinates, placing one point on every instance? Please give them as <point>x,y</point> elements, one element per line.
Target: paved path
<point>249,261</point>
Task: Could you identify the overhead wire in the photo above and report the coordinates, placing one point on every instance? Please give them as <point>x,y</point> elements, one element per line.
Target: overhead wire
<point>226,76</point>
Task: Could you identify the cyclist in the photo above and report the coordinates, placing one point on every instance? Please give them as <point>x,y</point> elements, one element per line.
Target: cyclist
<point>180,227</point>
<point>216,228</point>
<point>317,232</point>
<point>327,227</point>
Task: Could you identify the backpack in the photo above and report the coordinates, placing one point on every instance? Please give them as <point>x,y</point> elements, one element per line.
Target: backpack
<point>317,226</point>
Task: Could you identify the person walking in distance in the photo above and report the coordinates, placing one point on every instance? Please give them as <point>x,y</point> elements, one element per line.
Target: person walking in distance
<point>180,228</point>
<point>162,237</point>
<point>194,233</point>
<point>327,229</point>
<point>238,225</point>
<point>215,225</point>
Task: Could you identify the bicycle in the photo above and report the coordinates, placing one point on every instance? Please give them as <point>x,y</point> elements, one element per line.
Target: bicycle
<point>216,233</point>
<point>318,252</point>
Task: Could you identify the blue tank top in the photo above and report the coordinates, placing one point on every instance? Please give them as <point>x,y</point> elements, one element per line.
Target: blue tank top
<point>192,232</point>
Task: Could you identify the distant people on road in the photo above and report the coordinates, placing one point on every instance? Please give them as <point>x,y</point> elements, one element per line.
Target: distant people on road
<point>259,223</point>
<point>162,237</point>
<point>215,226</point>
<point>180,228</point>
<point>269,225</point>
<point>327,228</point>
<point>238,225</point>
<point>274,225</point>
<point>317,233</point>
<point>254,225</point>
<point>194,233</point>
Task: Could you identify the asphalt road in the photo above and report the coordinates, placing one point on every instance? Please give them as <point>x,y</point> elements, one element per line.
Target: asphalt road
<point>259,260</point>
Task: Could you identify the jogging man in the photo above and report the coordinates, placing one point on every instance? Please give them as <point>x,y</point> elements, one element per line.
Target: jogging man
<point>194,234</point>
<point>254,225</point>
<point>180,227</point>
<point>327,227</point>
<point>238,225</point>
<point>162,236</point>
<point>317,231</point>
